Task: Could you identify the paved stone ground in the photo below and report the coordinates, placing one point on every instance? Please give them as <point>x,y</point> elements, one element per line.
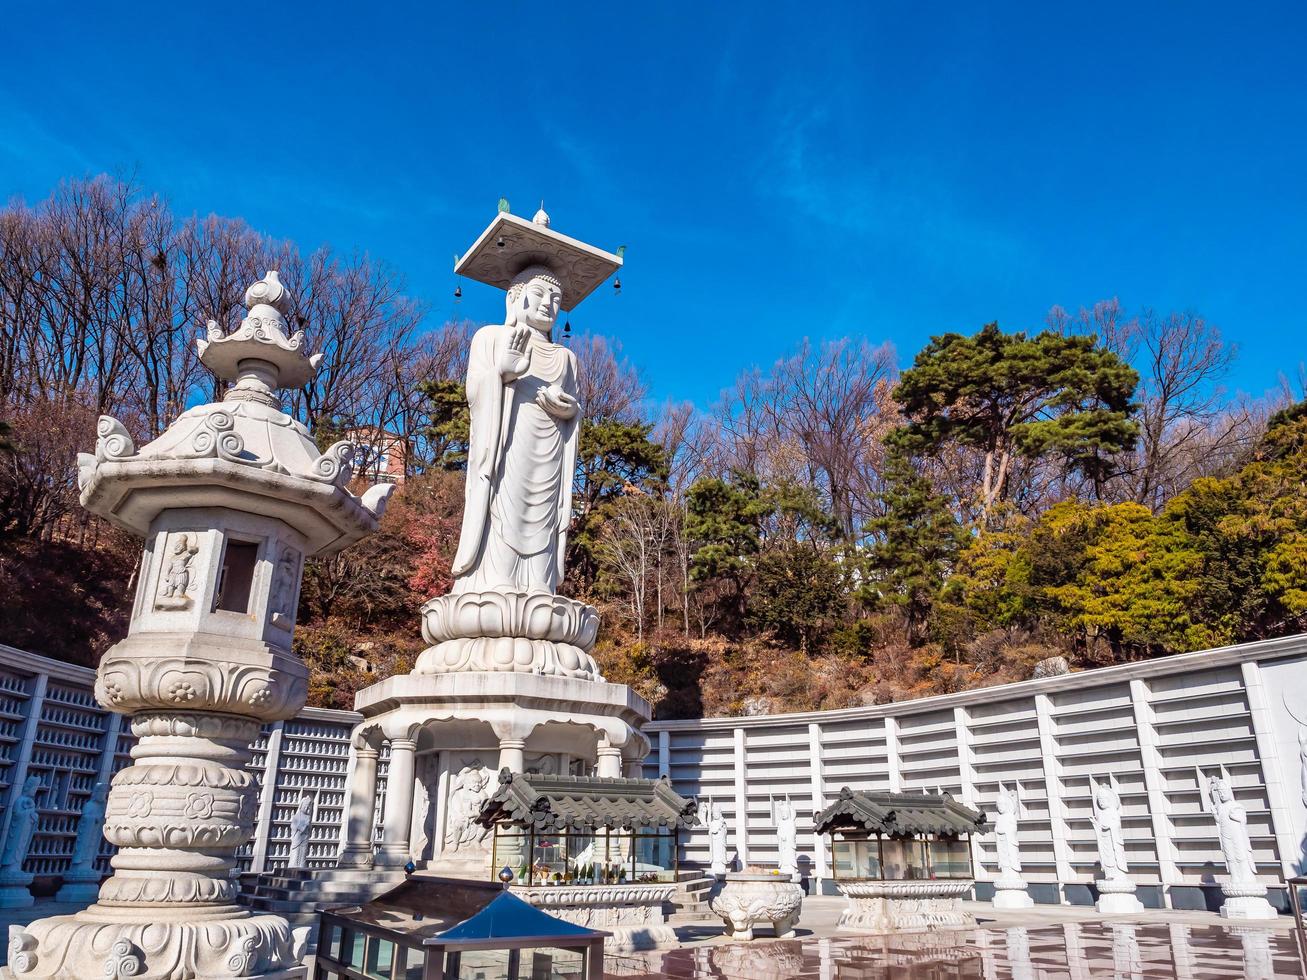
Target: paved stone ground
<point>1042,943</point>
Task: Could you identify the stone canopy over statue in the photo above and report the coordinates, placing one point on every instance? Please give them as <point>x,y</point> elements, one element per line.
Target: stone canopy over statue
<point>504,613</point>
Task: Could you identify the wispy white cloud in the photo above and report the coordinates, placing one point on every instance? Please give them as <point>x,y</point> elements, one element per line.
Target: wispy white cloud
<point>32,144</point>
<point>876,195</point>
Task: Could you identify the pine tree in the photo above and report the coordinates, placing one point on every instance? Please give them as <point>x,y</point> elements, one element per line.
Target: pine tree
<point>917,542</point>
<point>1010,396</point>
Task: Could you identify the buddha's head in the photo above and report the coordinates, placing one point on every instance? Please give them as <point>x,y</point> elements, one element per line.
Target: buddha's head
<point>534,298</point>
<point>1106,798</point>
<point>1004,803</point>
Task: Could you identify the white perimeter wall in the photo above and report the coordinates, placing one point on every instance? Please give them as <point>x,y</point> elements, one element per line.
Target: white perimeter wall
<point>1148,723</point>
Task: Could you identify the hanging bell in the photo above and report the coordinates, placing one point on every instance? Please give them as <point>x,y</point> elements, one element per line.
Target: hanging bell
<point>617,285</point>
<point>458,292</point>
<point>567,330</point>
<point>499,242</point>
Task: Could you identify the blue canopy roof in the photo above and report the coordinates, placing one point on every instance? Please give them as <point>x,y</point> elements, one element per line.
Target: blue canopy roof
<point>508,917</point>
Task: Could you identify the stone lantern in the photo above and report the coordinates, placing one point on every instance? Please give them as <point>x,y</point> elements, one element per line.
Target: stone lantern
<point>230,500</point>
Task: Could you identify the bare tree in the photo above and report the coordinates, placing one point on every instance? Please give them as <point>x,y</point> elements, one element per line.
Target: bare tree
<point>626,551</point>
<point>609,387</point>
<point>1187,428</point>
<point>817,419</point>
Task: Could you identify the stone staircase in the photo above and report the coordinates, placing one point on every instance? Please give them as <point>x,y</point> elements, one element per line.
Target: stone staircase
<point>298,895</point>
<point>688,906</point>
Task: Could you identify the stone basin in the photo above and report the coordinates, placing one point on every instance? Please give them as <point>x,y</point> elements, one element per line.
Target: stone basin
<point>905,906</point>
<point>749,900</point>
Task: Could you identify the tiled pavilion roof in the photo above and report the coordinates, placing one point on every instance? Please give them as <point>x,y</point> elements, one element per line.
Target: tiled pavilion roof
<point>556,803</point>
<point>899,813</point>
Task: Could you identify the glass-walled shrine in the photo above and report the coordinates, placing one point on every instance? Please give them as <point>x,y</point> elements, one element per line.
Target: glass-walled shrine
<point>899,836</point>
<point>586,830</point>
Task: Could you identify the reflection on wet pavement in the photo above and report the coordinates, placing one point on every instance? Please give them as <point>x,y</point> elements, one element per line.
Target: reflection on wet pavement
<point>1132,951</point>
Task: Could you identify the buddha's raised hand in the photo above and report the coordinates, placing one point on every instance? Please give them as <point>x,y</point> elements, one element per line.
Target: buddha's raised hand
<point>513,360</point>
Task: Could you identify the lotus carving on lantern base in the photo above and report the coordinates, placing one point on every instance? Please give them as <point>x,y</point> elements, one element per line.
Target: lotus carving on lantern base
<point>523,632</point>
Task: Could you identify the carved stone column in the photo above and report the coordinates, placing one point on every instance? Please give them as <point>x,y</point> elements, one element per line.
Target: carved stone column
<point>512,754</point>
<point>230,499</point>
<point>356,852</point>
<point>397,821</point>
<point>610,762</point>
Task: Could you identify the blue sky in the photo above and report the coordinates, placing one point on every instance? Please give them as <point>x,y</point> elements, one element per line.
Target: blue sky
<point>775,170</point>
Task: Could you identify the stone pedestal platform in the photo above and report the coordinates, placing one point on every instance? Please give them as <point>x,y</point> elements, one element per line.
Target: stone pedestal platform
<point>14,892</point>
<point>632,914</point>
<point>904,906</point>
<point>1117,897</point>
<point>1246,901</point>
<point>1010,892</point>
<point>749,900</point>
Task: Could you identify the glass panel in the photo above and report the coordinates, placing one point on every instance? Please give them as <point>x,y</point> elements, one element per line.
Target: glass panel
<point>510,852</point>
<point>381,953</point>
<point>856,858</point>
<point>351,949</point>
<point>583,859</point>
<point>904,858</point>
<point>655,856</point>
<point>329,941</point>
<point>549,859</point>
<point>950,858</point>
<point>552,964</point>
<point>484,964</point>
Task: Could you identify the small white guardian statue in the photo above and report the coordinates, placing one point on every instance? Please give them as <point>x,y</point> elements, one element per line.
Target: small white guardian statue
<point>81,882</point>
<point>301,829</point>
<point>718,834</point>
<point>1245,898</point>
<point>1009,887</point>
<point>787,836</point>
<point>1116,892</point>
<point>18,841</point>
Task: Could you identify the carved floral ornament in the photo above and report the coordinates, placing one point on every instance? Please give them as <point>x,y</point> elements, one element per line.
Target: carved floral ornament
<point>130,683</point>
<point>523,632</point>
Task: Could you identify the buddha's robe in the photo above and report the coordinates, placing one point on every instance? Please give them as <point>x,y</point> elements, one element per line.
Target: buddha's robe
<point>518,496</point>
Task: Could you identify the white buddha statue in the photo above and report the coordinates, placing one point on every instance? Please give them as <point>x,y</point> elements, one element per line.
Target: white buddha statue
<point>504,612</point>
<point>521,391</point>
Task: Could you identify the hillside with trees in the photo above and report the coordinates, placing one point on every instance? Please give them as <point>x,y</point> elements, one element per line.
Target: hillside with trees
<point>835,531</point>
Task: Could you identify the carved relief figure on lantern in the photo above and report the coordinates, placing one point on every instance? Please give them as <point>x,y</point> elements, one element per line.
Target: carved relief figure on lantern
<point>175,586</point>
